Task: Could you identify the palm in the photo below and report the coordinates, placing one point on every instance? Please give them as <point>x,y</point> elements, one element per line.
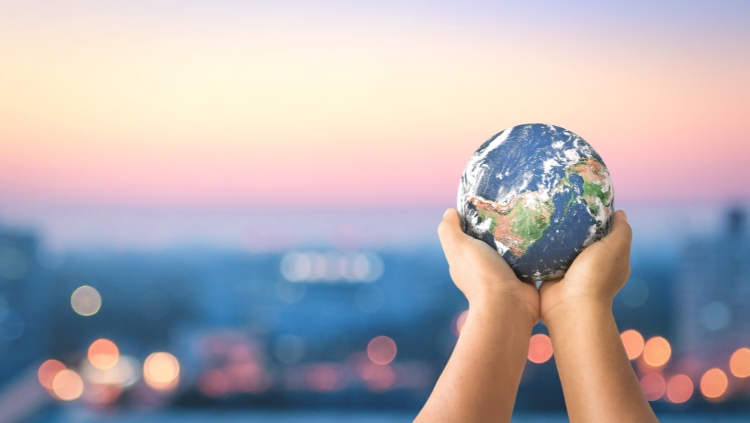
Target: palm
<point>598,272</point>
<point>486,264</point>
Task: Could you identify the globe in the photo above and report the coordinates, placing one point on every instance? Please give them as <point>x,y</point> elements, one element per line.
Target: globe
<point>538,194</point>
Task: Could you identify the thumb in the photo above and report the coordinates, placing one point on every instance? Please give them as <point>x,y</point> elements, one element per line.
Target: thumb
<point>452,237</point>
<point>621,234</point>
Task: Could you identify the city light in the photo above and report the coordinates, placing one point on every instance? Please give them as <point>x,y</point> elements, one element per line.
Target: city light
<point>103,354</point>
<point>714,383</point>
<point>161,371</point>
<point>123,374</point>
<point>214,383</point>
<point>657,351</point>
<point>679,389</point>
<point>459,321</point>
<point>331,266</point>
<point>67,385</point>
<point>653,386</point>
<point>381,350</point>
<point>323,378</point>
<point>377,377</point>
<point>540,348</point>
<point>632,340</point>
<point>86,301</point>
<point>47,372</point>
<point>739,363</point>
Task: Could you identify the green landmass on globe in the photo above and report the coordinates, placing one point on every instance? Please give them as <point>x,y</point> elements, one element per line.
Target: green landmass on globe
<point>523,219</point>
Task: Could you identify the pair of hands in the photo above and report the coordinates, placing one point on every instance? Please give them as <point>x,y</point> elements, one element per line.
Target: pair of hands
<point>484,277</point>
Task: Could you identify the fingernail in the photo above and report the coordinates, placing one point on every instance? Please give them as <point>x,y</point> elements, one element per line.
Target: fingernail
<point>624,215</point>
<point>446,213</point>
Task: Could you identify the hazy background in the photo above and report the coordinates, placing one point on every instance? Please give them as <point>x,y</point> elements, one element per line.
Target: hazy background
<point>178,156</point>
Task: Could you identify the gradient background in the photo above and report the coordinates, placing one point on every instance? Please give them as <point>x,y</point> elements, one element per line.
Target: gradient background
<point>264,125</point>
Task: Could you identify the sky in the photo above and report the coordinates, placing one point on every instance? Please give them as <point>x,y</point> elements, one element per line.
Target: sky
<point>233,106</point>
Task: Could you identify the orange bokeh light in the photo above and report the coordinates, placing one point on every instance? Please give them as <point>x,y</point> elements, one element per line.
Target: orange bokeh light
<point>679,389</point>
<point>540,348</point>
<point>103,354</point>
<point>67,385</point>
<point>381,350</point>
<point>657,351</point>
<point>714,383</point>
<point>161,371</point>
<point>47,372</point>
<point>739,364</point>
<point>632,340</point>
<point>653,386</point>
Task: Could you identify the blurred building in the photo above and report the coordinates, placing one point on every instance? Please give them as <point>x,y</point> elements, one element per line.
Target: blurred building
<point>24,308</point>
<point>712,294</point>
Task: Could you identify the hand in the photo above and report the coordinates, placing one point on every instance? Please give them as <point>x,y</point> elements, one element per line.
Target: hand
<point>481,273</point>
<point>596,275</point>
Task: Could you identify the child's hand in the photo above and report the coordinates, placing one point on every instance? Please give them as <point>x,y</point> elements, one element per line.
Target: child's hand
<point>596,275</point>
<point>481,273</point>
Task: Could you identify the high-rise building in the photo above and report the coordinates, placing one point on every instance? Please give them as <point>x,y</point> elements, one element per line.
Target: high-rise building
<point>24,305</point>
<point>712,293</point>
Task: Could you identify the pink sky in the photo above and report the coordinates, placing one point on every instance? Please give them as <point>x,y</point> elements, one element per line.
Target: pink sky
<point>223,108</point>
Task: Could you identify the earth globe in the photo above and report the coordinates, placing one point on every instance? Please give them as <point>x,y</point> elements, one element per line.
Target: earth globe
<point>538,194</point>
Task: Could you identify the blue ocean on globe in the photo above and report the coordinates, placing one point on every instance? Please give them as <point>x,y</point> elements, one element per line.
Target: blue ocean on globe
<point>538,194</point>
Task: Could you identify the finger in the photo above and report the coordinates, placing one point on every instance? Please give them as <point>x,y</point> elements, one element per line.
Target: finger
<point>452,237</point>
<point>621,233</point>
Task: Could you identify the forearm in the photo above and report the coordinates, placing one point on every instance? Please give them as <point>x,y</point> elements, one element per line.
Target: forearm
<point>480,381</point>
<point>596,375</point>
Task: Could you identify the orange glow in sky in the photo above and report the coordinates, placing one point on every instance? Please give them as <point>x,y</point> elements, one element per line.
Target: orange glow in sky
<point>230,105</point>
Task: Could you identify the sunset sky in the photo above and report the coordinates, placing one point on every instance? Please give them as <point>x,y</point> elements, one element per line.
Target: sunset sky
<point>359,105</point>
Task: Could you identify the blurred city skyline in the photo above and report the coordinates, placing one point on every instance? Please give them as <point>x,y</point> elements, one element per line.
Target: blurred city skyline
<point>228,204</point>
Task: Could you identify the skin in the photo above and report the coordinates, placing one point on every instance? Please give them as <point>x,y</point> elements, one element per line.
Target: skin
<point>598,381</point>
<point>480,381</point>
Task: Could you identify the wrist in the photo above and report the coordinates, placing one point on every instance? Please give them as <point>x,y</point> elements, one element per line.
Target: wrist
<point>579,307</point>
<point>504,304</point>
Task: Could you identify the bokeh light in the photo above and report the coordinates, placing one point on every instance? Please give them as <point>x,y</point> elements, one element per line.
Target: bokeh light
<point>459,321</point>
<point>739,363</point>
<point>679,389</point>
<point>324,378</point>
<point>714,383</point>
<point>161,371</point>
<point>12,325</point>
<point>657,351</point>
<point>634,293</point>
<point>633,342</point>
<point>67,385</point>
<point>103,354</point>
<point>123,374</point>
<point>47,372</point>
<point>540,348</point>
<point>214,383</point>
<point>381,350</point>
<point>289,348</point>
<point>331,266</point>
<point>86,301</point>
<point>654,386</point>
